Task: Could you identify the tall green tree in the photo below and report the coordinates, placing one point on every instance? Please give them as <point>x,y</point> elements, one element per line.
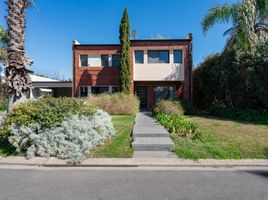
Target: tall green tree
<point>248,18</point>
<point>125,53</point>
<point>17,61</point>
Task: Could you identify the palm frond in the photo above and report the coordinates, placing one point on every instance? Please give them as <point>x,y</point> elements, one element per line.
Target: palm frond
<point>229,31</point>
<point>219,13</point>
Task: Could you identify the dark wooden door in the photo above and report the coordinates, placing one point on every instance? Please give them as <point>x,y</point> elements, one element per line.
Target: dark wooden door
<point>142,94</point>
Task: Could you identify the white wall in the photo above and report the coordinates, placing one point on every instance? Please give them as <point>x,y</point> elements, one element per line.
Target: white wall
<point>160,71</point>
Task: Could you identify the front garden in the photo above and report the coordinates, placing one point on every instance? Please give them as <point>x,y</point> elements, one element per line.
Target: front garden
<point>203,136</point>
<point>67,128</point>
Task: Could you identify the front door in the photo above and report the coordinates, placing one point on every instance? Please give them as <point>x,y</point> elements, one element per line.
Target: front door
<point>142,94</point>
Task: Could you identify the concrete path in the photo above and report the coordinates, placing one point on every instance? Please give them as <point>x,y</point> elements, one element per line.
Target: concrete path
<point>150,139</point>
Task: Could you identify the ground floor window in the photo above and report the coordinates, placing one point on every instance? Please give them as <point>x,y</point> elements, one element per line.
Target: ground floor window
<point>99,90</point>
<point>115,89</point>
<point>83,91</point>
<point>164,93</point>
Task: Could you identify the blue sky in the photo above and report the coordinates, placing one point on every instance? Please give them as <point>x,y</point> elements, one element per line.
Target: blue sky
<point>53,24</point>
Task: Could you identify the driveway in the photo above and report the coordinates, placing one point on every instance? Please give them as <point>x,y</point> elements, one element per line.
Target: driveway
<point>132,184</point>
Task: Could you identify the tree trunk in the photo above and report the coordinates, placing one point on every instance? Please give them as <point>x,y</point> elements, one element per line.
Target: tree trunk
<point>19,82</point>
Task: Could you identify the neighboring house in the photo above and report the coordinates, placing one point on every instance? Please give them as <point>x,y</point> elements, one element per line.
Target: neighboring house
<point>160,69</point>
<point>47,86</point>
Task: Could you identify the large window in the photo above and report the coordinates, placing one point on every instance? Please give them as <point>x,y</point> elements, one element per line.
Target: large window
<point>164,93</point>
<point>161,56</point>
<point>139,57</point>
<point>115,60</point>
<point>99,90</point>
<point>105,60</point>
<point>177,56</point>
<point>83,91</point>
<point>84,60</point>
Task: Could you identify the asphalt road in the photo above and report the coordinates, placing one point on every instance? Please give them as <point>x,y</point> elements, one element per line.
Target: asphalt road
<point>136,184</point>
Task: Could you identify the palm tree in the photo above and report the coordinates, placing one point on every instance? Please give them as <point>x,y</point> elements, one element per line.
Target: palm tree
<point>17,61</point>
<point>249,22</point>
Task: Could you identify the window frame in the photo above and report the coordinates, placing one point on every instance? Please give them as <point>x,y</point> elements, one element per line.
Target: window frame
<point>139,51</point>
<point>178,50</point>
<point>83,55</point>
<point>101,55</point>
<point>158,56</point>
<point>118,55</point>
<point>165,86</point>
<point>87,90</point>
<point>92,88</point>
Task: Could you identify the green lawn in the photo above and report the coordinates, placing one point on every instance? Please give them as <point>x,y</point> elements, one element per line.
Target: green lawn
<point>118,146</point>
<point>224,139</point>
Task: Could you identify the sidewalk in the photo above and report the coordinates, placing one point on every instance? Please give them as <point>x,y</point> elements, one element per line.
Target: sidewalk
<point>134,162</point>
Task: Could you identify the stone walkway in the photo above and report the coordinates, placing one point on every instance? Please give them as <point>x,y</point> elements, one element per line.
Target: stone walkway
<point>150,139</point>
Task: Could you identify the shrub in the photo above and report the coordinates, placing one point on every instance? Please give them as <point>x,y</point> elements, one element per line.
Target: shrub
<point>177,124</point>
<point>174,107</point>
<point>115,104</point>
<point>249,115</point>
<point>72,139</point>
<point>46,112</point>
<point>235,79</point>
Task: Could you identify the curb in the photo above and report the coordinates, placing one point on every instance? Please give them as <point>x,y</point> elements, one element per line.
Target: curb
<point>133,162</point>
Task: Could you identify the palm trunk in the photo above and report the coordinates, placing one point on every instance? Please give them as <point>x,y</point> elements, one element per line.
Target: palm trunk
<point>19,82</point>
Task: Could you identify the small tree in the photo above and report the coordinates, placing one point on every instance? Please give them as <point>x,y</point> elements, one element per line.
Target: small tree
<point>17,61</point>
<point>124,54</point>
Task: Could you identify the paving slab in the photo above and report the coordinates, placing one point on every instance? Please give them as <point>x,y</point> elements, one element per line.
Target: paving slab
<point>152,144</point>
<point>144,131</point>
<point>154,154</point>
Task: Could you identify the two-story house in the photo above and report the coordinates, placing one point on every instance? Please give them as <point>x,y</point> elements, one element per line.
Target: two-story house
<point>160,69</point>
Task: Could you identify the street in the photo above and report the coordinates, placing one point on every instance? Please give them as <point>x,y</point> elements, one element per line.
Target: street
<point>37,183</point>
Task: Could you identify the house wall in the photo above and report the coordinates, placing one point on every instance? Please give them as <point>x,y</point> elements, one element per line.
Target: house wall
<point>185,75</point>
<point>174,74</point>
<point>94,75</point>
<point>158,71</point>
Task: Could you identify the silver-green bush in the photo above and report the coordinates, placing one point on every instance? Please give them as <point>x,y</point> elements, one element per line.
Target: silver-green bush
<point>72,140</point>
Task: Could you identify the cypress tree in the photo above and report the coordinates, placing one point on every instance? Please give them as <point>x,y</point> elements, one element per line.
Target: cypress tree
<point>124,54</point>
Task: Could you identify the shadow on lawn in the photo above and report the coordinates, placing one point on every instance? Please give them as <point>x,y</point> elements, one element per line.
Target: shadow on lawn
<point>207,116</point>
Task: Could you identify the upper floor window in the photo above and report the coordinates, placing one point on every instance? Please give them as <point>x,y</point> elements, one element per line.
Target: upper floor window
<point>158,56</point>
<point>105,60</point>
<point>115,60</point>
<point>177,56</point>
<point>139,57</point>
<point>84,60</point>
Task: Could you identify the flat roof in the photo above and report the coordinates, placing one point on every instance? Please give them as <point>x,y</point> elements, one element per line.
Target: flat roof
<point>137,40</point>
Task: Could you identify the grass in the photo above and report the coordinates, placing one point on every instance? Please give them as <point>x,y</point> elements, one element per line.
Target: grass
<point>119,146</point>
<point>224,139</point>
<point>3,105</point>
